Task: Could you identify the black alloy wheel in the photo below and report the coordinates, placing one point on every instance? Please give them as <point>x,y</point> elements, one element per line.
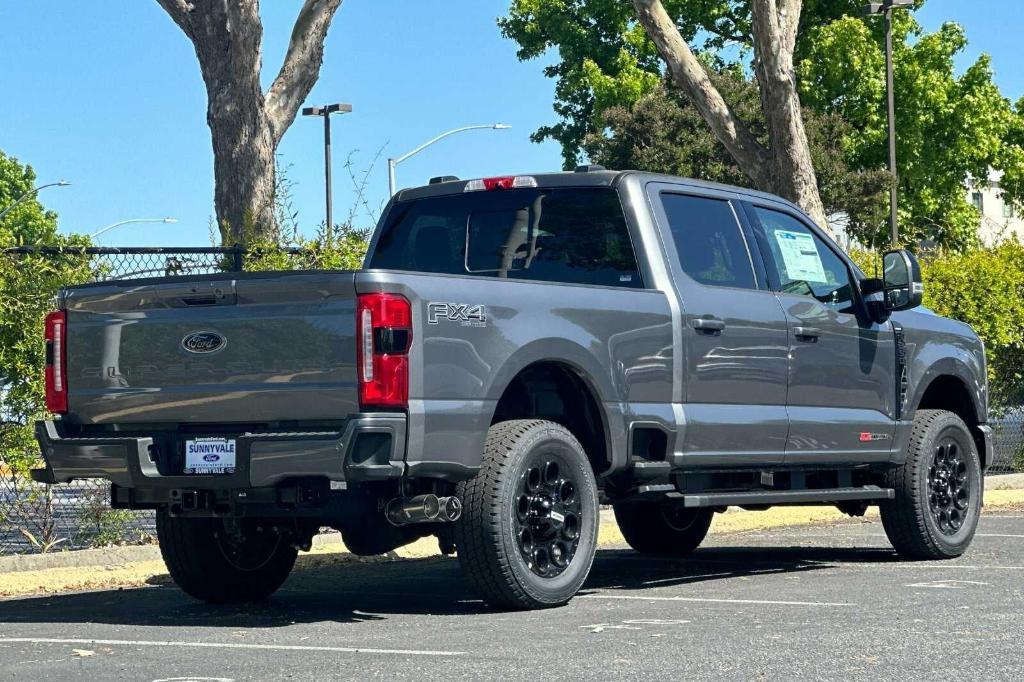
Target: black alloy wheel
<point>547,515</point>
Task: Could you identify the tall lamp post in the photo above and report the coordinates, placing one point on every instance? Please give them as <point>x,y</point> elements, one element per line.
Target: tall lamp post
<point>885,8</point>
<point>326,111</point>
<point>392,163</point>
<point>97,233</point>
<point>33,192</point>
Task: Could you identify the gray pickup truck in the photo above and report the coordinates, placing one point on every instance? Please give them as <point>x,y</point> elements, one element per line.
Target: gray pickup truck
<point>516,352</point>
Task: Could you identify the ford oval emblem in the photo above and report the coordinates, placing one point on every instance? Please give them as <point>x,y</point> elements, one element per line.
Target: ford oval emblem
<point>203,342</point>
<point>211,458</point>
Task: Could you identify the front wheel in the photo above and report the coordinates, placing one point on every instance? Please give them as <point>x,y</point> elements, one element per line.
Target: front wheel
<point>662,528</point>
<point>938,490</point>
<point>528,532</point>
<point>224,561</point>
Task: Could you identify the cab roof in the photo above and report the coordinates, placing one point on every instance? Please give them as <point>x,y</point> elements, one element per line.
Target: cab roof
<point>591,177</point>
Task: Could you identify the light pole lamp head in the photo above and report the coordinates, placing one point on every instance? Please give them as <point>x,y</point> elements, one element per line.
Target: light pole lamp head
<point>886,5</point>
<point>501,126</point>
<point>327,110</point>
<point>63,183</point>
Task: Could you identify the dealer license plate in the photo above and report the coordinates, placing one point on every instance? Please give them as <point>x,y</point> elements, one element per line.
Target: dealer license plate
<point>210,456</point>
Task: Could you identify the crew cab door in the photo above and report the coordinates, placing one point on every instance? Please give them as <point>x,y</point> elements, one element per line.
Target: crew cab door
<point>842,363</point>
<point>735,342</point>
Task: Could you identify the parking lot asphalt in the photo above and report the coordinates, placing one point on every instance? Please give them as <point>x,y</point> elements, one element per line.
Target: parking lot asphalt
<point>825,602</point>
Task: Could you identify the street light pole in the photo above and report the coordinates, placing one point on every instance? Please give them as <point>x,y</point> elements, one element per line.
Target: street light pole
<point>97,233</point>
<point>885,8</point>
<point>32,192</point>
<point>392,163</point>
<point>326,111</point>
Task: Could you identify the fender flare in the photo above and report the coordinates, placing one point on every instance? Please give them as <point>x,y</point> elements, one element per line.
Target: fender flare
<point>589,370</point>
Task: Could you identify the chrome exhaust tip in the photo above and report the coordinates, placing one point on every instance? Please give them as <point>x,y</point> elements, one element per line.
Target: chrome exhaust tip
<point>426,508</point>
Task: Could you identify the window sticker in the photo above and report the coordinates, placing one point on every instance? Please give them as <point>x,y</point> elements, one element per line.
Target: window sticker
<point>800,256</point>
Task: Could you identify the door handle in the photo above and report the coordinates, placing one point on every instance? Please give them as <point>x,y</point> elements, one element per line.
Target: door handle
<point>807,333</point>
<point>708,325</point>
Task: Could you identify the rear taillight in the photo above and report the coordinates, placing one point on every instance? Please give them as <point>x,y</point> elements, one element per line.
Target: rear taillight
<point>384,335</point>
<point>56,336</point>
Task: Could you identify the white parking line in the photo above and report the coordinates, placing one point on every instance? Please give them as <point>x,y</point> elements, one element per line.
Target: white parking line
<point>997,535</point>
<point>707,600</point>
<point>226,645</point>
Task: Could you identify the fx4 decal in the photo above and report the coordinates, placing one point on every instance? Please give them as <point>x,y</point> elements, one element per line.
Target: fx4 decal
<point>464,314</point>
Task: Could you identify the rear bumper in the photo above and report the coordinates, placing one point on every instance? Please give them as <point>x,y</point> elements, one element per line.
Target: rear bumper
<point>370,447</point>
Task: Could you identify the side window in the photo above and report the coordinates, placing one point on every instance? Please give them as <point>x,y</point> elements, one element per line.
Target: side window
<point>571,235</point>
<point>709,242</point>
<point>802,263</point>
<point>574,236</point>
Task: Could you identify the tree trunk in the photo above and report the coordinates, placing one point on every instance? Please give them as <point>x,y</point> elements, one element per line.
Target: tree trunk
<point>784,167</point>
<point>244,173</point>
<point>246,126</point>
<point>793,177</point>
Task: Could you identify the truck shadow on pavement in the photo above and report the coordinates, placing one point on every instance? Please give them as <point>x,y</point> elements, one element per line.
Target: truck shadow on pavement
<point>348,591</point>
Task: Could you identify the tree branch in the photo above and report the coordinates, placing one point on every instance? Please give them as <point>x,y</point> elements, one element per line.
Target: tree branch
<point>180,12</point>
<point>302,63</point>
<point>689,74</point>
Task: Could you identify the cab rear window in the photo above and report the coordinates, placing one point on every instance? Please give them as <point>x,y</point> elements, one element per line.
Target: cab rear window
<point>572,235</point>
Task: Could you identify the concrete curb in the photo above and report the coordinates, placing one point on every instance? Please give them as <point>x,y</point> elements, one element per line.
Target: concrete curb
<point>1005,482</point>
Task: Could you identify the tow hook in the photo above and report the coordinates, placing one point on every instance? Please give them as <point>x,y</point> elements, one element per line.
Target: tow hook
<point>426,508</point>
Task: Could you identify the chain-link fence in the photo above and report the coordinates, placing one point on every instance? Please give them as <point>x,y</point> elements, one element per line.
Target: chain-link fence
<point>137,262</point>
<point>1008,433</point>
<point>37,518</point>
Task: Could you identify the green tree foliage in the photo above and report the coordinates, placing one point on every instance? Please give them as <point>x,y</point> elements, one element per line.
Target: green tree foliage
<point>949,127</point>
<point>605,59</point>
<point>27,287</point>
<point>663,132</point>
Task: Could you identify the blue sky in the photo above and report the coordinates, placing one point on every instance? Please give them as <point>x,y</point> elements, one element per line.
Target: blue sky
<point>108,95</point>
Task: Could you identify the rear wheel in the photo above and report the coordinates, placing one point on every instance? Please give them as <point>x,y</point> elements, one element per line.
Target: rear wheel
<point>221,561</point>
<point>528,531</point>
<point>662,528</point>
<point>938,490</point>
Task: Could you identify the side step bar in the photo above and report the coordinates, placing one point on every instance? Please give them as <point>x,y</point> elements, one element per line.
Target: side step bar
<point>777,497</point>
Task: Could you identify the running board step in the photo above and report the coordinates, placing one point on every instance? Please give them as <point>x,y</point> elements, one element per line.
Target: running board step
<point>826,495</point>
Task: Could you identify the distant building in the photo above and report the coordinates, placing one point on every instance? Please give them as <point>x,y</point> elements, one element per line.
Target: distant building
<point>999,219</point>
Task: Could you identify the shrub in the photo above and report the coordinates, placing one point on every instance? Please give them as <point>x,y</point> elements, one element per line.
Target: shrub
<point>983,287</point>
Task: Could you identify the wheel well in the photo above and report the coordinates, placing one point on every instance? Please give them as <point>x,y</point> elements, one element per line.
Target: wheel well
<point>949,393</point>
<point>555,391</point>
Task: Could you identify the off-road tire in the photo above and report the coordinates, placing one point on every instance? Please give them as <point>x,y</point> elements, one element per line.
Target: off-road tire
<point>658,528</point>
<point>486,538</point>
<point>908,519</point>
<point>195,556</point>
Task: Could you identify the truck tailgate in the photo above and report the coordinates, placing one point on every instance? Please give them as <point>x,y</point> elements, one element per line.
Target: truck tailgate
<point>245,348</point>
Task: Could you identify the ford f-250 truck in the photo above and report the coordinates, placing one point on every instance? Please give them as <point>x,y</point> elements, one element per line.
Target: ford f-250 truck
<point>516,352</point>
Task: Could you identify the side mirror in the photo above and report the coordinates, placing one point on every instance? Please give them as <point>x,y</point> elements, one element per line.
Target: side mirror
<point>902,280</point>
